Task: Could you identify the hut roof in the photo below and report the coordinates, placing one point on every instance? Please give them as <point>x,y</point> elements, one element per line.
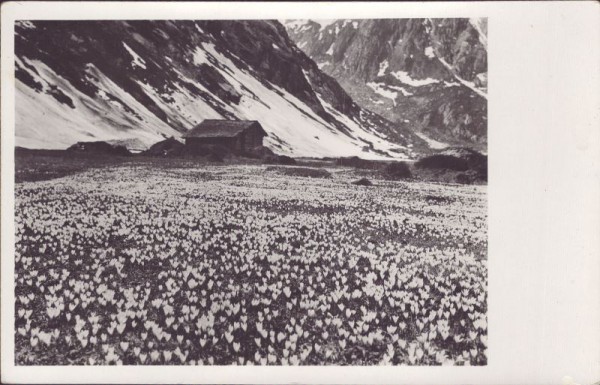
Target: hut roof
<point>215,128</point>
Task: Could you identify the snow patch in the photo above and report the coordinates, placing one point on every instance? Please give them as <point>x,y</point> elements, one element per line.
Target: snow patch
<point>137,60</point>
<point>364,137</point>
<point>200,56</point>
<point>378,88</point>
<point>482,78</point>
<point>480,25</point>
<point>323,64</point>
<point>330,50</point>
<point>402,90</point>
<point>355,24</point>
<point>429,52</point>
<point>99,118</point>
<point>324,23</point>
<point>25,24</point>
<point>464,82</point>
<point>185,107</point>
<point>383,66</point>
<point>405,78</point>
<point>294,24</point>
<point>433,144</point>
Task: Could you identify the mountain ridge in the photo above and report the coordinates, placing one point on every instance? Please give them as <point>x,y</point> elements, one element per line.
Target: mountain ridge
<point>148,80</point>
<point>428,73</point>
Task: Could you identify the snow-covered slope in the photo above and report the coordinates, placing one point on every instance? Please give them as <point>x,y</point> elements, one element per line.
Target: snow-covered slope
<point>142,81</point>
<point>427,74</point>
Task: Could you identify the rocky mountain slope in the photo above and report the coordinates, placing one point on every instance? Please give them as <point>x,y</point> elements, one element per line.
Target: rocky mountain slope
<point>429,74</point>
<point>137,82</point>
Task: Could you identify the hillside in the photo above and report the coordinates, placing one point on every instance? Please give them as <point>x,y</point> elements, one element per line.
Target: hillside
<point>141,81</point>
<point>429,75</point>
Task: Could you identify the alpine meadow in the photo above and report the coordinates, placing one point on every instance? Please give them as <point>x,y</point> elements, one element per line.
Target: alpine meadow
<point>251,192</point>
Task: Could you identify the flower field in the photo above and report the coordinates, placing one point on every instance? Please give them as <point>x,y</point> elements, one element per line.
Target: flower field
<point>221,265</point>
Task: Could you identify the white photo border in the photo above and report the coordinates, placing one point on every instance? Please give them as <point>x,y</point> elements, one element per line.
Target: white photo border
<point>543,193</point>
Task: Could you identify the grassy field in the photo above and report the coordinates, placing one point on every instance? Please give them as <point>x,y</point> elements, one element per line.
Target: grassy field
<point>173,262</point>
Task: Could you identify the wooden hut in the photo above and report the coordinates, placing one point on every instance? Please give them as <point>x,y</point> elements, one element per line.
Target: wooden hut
<point>237,135</point>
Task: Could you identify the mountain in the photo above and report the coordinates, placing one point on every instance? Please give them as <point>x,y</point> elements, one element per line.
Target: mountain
<point>430,74</point>
<point>141,81</point>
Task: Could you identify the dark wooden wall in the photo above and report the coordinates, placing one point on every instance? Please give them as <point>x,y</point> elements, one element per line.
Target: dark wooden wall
<point>246,140</point>
<point>252,137</point>
<point>198,142</point>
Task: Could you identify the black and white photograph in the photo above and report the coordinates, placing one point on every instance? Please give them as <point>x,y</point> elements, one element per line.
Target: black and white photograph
<point>231,191</point>
<point>251,192</point>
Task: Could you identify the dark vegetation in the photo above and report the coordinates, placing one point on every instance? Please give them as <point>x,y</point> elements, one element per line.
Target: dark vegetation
<point>305,172</point>
<point>173,148</point>
<point>36,165</point>
<point>457,165</point>
<point>397,170</point>
<point>389,170</point>
<point>443,162</point>
<point>279,159</point>
<point>356,162</point>
<point>363,182</point>
<point>437,199</point>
